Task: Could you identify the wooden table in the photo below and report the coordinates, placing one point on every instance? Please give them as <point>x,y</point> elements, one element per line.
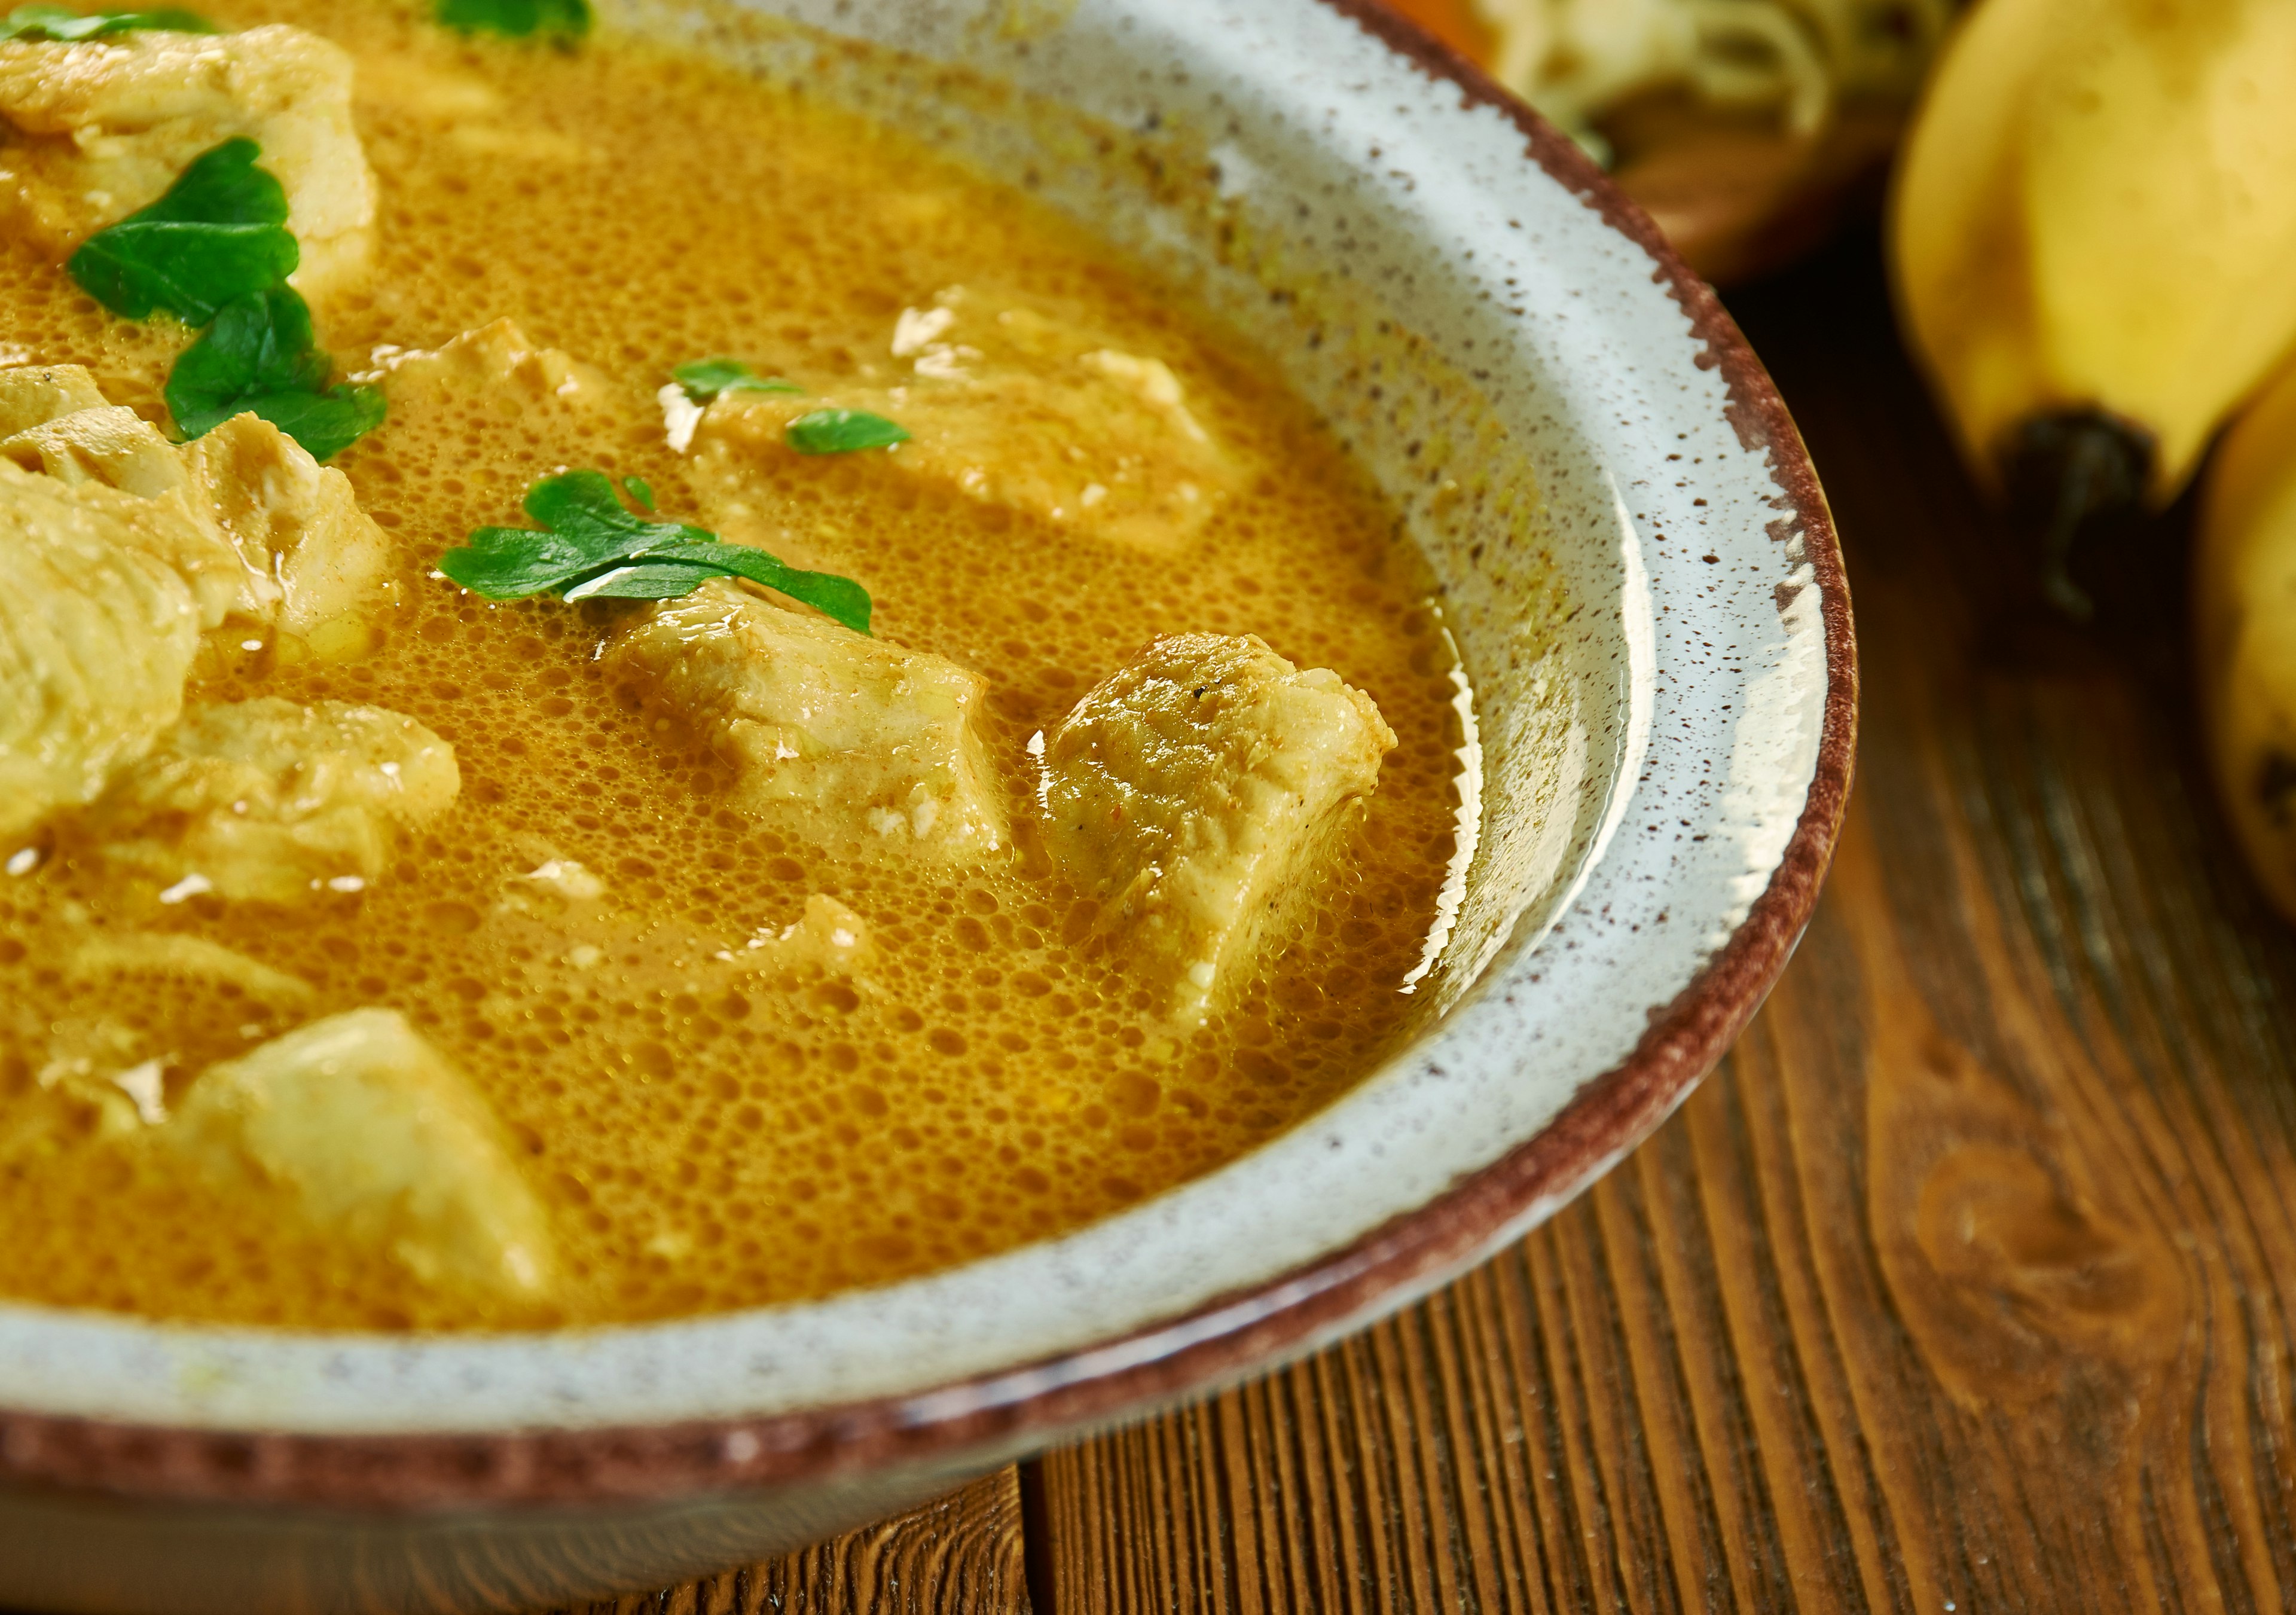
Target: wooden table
<point>1965,1284</point>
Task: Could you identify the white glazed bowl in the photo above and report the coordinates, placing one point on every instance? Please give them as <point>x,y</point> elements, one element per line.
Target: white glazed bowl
<point>1645,585</point>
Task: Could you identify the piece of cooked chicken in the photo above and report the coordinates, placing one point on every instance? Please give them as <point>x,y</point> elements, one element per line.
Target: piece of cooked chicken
<point>497,365</point>
<point>462,108</point>
<point>265,800</point>
<point>185,961</point>
<point>31,395</point>
<point>378,1141</point>
<point>100,130</point>
<point>313,555</point>
<point>101,613</point>
<point>309,555</point>
<point>1009,406</point>
<point>831,732</point>
<point>828,937</point>
<point>108,444</point>
<point>87,1078</point>
<point>1196,793</point>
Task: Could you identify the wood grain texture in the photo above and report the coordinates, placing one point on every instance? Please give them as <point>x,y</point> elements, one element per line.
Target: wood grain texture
<point>1966,1285</point>
<point>959,1555</point>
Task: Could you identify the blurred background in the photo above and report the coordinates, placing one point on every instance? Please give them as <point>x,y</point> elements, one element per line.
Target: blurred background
<point>1749,129</point>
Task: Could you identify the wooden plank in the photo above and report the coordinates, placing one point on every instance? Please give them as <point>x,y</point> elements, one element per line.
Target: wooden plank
<point>959,1555</point>
<point>1966,1285</point>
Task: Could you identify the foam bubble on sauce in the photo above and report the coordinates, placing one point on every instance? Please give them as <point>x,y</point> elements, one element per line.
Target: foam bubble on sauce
<point>709,1133</point>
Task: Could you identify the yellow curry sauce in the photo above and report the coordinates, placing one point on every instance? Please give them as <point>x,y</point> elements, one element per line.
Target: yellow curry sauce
<point>705,1134</point>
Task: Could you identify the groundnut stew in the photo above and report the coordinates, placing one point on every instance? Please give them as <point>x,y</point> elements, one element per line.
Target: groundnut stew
<point>622,695</point>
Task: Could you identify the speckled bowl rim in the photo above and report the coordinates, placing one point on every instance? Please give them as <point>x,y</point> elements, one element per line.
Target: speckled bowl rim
<point>1010,1410</point>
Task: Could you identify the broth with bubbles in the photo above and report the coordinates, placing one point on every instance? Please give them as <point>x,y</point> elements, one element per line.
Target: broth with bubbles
<point>402,958</point>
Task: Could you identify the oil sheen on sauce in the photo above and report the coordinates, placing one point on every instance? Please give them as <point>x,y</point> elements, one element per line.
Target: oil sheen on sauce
<point>707,1136</point>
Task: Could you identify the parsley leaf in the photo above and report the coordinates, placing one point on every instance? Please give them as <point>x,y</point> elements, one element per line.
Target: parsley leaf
<point>258,345</point>
<point>639,489</point>
<point>260,357</point>
<point>704,378</point>
<point>840,431</point>
<point>219,234</point>
<point>326,423</point>
<point>68,26</point>
<point>517,18</point>
<point>591,547</point>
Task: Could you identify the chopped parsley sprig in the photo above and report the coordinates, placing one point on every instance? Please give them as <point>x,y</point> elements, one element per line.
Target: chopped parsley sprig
<point>841,432</point>
<point>216,251</point>
<point>820,432</point>
<point>219,234</point>
<point>591,546</point>
<point>260,357</point>
<point>517,19</point>
<point>704,378</point>
<point>63,26</point>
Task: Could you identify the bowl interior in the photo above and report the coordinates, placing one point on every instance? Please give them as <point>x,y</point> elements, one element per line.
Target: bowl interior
<point>1162,129</point>
<point>1625,573</point>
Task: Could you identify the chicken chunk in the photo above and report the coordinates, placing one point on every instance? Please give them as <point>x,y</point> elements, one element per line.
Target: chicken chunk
<point>497,365</point>
<point>467,110</point>
<point>1011,406</point>
<point>102,129</point>
<point>828,938</point>
<point>264,801</point>
<point>1196,791</point>
<point>307,555</point>
<point>32,395</point>
<point>830,731</point>
<point>378,1141</point>
<point>111,448</point>
<point>99,621</point>
<point>191,961</point>
<point>105,444</point>
<point>313,556</point>
<point>88,1082</point>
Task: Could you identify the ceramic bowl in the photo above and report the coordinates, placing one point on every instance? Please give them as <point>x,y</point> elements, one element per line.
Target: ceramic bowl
<point>1643,580</point>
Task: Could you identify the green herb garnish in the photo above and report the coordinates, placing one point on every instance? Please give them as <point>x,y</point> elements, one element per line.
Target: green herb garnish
<point>259,355</point>
<point>639,489</point>
<point>591,547</point>
<point>219,234</point>
<point>517,18</point>
<point>840,431</point>
<point>67,27</point>
<point>704,378</point>
<point>216,250</point>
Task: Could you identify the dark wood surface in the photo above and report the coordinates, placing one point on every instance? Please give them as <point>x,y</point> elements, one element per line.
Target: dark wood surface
<point>1965,1284</point>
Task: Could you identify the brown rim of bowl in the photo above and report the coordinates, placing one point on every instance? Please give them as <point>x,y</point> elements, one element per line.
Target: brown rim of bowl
<point>1221,1340</point>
